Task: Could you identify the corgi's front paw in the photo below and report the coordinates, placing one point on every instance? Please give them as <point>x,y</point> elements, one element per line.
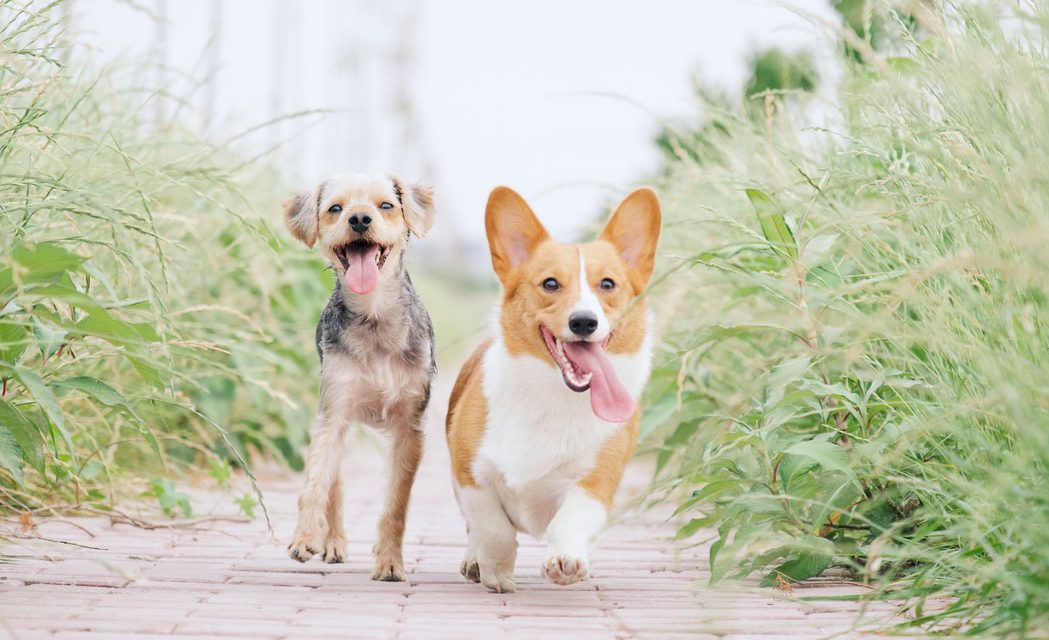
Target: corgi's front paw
<point>565,569</point>
<point>498,580</point>
<point>304,545</point>
<point>470,569</point>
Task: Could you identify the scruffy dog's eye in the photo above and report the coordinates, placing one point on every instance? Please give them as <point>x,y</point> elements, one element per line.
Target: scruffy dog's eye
<point>335,209</point>
<point>551,285</point>
<point>386,205</point>
<point>608,284</point>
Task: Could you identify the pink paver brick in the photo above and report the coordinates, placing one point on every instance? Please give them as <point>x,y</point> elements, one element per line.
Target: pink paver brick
<point>233,580</point>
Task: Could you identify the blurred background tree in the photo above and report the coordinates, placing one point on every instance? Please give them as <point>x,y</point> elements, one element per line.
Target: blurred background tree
<point>778,71</point>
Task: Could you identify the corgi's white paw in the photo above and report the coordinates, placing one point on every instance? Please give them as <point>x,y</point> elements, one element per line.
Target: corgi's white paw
<point>498,580</point>
<point>565,569</point>
<point>470,569</point>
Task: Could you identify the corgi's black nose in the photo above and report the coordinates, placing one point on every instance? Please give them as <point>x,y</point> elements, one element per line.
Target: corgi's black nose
<point>359,222</point>
<point>582,323</point>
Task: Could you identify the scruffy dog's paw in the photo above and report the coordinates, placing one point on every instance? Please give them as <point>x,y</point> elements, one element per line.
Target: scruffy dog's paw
<point>334,550</point>
<point>565,569</point>
<point>304,546</point>
<point>470,570</point>
<point>388,570</point>
<point>498,580</point>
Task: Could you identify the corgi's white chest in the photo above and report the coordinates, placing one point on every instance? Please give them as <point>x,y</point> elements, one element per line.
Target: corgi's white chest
<point>541,437</point>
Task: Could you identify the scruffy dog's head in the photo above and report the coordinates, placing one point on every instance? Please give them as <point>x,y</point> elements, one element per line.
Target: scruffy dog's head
<point>361,224</point>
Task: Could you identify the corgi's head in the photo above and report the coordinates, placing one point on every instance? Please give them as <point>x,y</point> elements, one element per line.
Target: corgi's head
<point>573,304</point>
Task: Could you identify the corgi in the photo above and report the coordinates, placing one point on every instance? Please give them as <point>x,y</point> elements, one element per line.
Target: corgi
<point>544,415</point>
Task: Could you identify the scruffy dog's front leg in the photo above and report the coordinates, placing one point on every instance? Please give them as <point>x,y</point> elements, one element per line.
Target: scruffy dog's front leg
<point>320,503</point>
<point>405,456</point>
<point>335,541</point>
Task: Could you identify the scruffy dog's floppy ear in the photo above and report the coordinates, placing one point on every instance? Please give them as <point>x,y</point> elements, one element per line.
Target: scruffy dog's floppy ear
<point>417,205</point>
<point>300,216</point>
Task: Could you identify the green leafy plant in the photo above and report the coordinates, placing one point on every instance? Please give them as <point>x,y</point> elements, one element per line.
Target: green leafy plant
<point>855,359</point>
<point>149,318</point>
<point>172,502</point>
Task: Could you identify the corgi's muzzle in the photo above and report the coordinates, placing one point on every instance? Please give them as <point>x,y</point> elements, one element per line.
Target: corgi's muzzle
<point>585,365</point>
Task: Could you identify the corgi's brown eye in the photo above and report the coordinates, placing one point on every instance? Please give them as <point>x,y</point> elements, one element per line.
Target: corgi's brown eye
<point>386,205</point>
<point>335,209</point>
<point>551,285</point>
<point>608,284</point>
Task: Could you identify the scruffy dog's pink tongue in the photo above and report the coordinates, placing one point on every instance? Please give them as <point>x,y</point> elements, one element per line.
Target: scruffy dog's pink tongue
<point>362,272</point>
<point>608,397</point>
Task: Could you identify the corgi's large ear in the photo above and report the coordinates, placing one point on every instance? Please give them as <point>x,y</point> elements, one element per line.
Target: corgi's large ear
<point>513,231</point>
<point>634,231</point>
<point>416,205</point>
<point>300,216</point>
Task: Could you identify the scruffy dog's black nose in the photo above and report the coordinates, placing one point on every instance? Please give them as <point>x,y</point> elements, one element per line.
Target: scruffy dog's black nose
<point>582,323</point>
<point>359,222</point>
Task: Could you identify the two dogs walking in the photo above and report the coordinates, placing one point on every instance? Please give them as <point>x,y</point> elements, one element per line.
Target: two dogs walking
<point>543,416</point>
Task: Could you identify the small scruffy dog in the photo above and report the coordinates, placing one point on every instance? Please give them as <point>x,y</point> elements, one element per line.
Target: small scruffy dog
<point>376,345</point>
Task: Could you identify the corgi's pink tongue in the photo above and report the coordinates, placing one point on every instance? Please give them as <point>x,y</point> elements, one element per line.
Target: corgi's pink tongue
<point>362,272</point>
<point>608,397</point>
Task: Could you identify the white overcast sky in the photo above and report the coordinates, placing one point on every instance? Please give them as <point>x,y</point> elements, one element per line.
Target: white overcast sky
<point>558,99</point>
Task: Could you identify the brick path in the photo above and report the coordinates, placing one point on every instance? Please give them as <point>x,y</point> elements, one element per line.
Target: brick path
<point>232,580</point>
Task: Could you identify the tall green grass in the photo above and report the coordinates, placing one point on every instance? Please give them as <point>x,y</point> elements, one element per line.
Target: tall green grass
<point>856,364</point>
<point>150,321</point>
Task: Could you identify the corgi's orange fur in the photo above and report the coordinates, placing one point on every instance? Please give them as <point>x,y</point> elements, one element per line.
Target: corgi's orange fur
<point>543,417</point>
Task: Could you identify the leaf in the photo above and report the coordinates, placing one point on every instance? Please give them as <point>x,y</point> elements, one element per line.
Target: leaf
<point>11,455</point>
<point>881,517</point>
<point>97,389</point>
<point>247,504</point>
<point>25,432</point>
<point>7,283</point>
<point>47,339</point>
<point>713,489</point>
<point>903,65</point>
<point>220,471</point>
<point>827,454</point>
<point>715,548</point>
<point>658,412</point>
<point>836,390</point>
<point>62,293</point>
<point>44,259</point>
<point>792,466</point>
<point>785,373</point>
<point>691,527</point>
<point>99,322</point>
<point>723,559</point>
<point>46,401</point>
<point>110,397</point>
<point>170,500</point>
<point>92,469</point>
<point>12,342</point>
<point>802,567</point>
<point>773,222</point>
